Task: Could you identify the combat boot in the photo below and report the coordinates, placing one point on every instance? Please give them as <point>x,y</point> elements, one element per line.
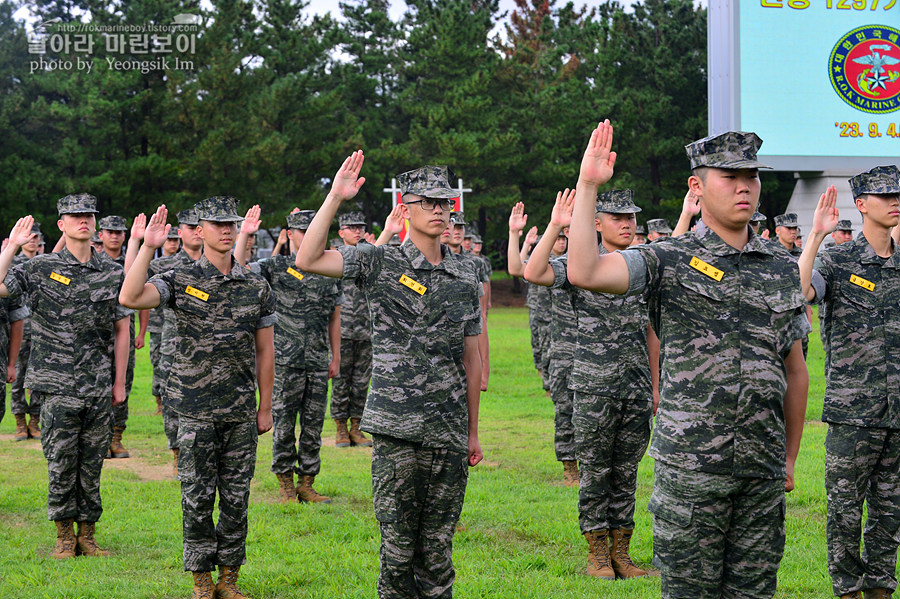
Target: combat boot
<point>34,426</point>
<point>85,543</point>
<point>226,588</point>
<point>341,437</point>
<point>175,461</point>
<point>357,437</point>
<point>306,493</point>
<point>621,561</point>
<point>598,555</point>
<point>116,449</point>
<point>877,594</point>
<point>21,428</point>
<point>65,540</point>
<point>570,473</point>
<point>286,483</point>
<point>158,411</point>
<point>203,586</point>
<point>853,595</point>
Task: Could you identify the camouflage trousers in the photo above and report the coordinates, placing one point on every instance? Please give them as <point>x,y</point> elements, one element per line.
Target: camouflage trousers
<point>215,456</point>
<point>534,325</point>
<point>18,404</point>
<point>158,379</point>
<point>418,495</point>
<point>120,414</point>
<point>611,436</point>
<point>170,425</point>
<point>75,436</point>
<point>350,388</point>
<point>563,429</point>
<point>862,465</point>
<point>716,535</point>
<point>544,366</point>
<point>302,395</point>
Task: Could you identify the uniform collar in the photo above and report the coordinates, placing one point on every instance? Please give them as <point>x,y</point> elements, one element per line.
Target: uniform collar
<point>711,241</point>
<point>211,272</point>
<point>93,263</point>
<point>867,253</point>
<point>418,260</point>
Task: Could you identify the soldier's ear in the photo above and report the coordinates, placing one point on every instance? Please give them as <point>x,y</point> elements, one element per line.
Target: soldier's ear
<point>404,211</point>
<point>61,225</point>
<point>861,204</point>
<point>695,184</point>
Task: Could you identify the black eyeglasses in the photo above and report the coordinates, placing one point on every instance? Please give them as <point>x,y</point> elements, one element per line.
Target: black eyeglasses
<point>355,228</point>
<point>430,203</point>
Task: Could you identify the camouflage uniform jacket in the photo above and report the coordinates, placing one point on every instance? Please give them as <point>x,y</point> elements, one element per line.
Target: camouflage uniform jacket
<point>538,301</point>
<point>861,332</point>
<point>356,323</point>
<point>10,311</point>
<point>74,308</point>
<point>213,372</point>
<point>611,356</point>
<point>723,340</point>
<point>481,270</point>
<point>166,317</point>
<point>26,332</point>
<point>563,329</point>
<point>305,303</point>
<point>418,380</point>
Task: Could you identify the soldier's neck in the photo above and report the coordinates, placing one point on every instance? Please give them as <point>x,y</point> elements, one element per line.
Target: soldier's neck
<point>221,260</point>
<point>879,237</point>
<point>194,254</point>
<point>114,254</point>
<point>612,248</point>
<point>29,254</point>
<point>80,249</point>
<point>429,246</point>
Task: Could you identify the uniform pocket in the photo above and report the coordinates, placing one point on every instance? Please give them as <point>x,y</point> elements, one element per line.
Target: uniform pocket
<point>674,546</point>
<point>187,456</point>
<point>385,495</point>
<point>47,435</point>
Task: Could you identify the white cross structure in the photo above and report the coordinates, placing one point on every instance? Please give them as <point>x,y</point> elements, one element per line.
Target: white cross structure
<point>394,191</point>
<point>462,190</point>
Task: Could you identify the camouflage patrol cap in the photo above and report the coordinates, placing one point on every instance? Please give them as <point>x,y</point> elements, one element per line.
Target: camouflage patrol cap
<point>788,219</point>
<point>95,238</point>
<point>457,218</point>
<point>844,225</point>
<point>428,182</point>
<point>77,203</point>
<point>395,241</point>
<point>112,223</point>
<point>617,201</point>
<point>640,230</point>
<point>659,225</point>
<point>335,242</point>
<point>758,217</point>
<point>880,180</point>
<point>731,150</point>
<point>36,228</point>
<point>470,233</point>
<point>218,209</point>
<point>172,234</point>
<point>351,218</point>
<point>188,217</point>
<point>300,220</point>
<point>476,238</point>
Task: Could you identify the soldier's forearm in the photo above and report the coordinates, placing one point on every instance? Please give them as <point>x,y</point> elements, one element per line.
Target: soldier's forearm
<point>133,290</point>
<point>795,400</point>
<point>265,367</point>
<point>16,332</point>
<point>122,348</point>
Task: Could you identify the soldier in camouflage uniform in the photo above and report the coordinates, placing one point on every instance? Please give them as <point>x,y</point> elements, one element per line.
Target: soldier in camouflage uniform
<point>79,337</point>
<point>786,230</point>
<point>611,381</point>
<point>155,319</point>
<point>224,317</point>
<point>540,270</point>
<point>191,251</point>
<point>13,315</point>
<point>758,222</point>
<point>857,285</point>
<point>658,228</point>
<point>729,315</point>
<point>112,235</point>
<point>843,233</point>
<point>19,405</point>
<point>350,387</point>
<point>640,235</point>
<point>309,322</point>
<point>423,406</point>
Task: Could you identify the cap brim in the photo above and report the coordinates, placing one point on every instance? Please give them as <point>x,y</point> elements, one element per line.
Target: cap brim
<point>79,212</point>
<point>353,223</point>
<point>738,164</point>
<point>223,219</point>
<point>634,210</point>
<point>438,192</point>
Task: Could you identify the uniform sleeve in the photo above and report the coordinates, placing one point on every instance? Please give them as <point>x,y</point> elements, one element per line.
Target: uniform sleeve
<point>164,283</point>
<point>362,262</point>
<point>18,310</point>
<point>268,317</point>
<point>822,277</point>
<point>643,268</point>
<point>17,281</point>
<point>560,280</point>
<point>473,325</point>
<point>257,268</point>
<point>339,298</point>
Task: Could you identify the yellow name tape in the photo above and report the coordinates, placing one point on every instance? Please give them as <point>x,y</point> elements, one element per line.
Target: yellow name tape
<point>707,269</point>
<point>862,282</point>
<point>296,274</point>
<point>60,278</point>
<point>417,287</point>
<point>196,293</point>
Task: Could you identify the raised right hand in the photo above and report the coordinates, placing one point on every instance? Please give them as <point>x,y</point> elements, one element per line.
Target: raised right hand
<point>251,221</point>
<point>517,218</point>
<point>157,230</point>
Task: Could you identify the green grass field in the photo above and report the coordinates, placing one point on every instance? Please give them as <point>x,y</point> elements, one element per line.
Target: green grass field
<point>518,535</point>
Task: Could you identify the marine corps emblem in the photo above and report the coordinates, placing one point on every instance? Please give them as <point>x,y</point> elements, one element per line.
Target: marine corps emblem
<point>864,68</point>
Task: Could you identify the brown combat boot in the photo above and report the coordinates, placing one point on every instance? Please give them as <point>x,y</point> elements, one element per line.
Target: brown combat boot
<point>175,461</point>
<point>342,437</point>
<point>203,586</point>
<point>85,543</point>
<point>34,426</point>
<point>116,449</point>
<point>621,561</point>
<point>226,588</point>
<point>21,427</point>
<point>356,436</point>
<point>570,473</point>
<point>853,595</point>
<point>158,411</point>
<point>876,594</point>
<point>286,484</point>
<point>65,540</point>
<point>306,493</point>
<point>598,555</point>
